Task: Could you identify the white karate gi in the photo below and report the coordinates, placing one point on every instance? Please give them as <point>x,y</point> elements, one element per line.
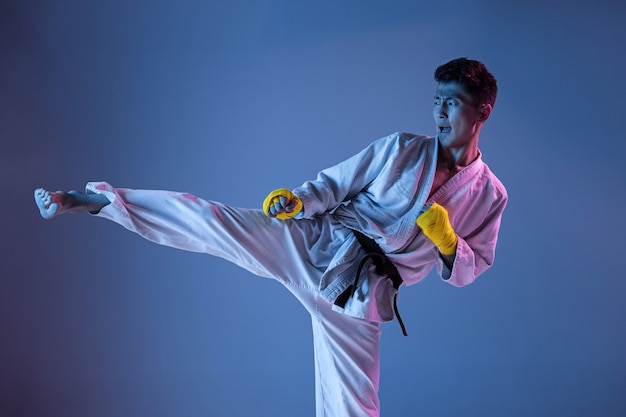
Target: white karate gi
<point>380,192</point>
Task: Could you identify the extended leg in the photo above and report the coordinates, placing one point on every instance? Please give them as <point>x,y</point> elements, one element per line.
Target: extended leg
<point>294,251</point>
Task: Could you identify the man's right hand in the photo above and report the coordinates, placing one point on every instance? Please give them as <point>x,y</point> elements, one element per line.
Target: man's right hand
<point>282,204</point>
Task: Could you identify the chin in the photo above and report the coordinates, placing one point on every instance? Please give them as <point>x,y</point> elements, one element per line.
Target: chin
<point>445,140</point>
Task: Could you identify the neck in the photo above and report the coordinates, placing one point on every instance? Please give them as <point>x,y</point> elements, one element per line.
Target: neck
<point>457,158</point>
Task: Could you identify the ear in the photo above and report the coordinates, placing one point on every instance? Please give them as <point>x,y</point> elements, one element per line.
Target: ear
<point>484,111</point>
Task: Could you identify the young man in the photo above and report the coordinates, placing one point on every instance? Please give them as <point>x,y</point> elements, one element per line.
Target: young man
<point>347,240</point>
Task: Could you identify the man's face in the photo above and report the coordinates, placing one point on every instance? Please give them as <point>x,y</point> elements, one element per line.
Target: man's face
<point>457,118</point>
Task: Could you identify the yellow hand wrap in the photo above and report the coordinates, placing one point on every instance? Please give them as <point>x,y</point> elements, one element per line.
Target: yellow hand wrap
<point>275,196</point>
<point>436,226</point>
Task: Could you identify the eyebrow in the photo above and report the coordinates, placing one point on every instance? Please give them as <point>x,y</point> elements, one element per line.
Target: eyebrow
<point>456,97</point>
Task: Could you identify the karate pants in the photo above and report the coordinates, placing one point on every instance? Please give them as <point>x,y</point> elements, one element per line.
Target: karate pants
<point>294,252</point>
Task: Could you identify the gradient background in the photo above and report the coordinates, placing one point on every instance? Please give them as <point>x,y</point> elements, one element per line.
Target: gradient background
<point>229,100</point>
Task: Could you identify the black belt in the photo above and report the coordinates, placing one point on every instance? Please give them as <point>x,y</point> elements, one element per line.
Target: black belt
<point>383,266</point>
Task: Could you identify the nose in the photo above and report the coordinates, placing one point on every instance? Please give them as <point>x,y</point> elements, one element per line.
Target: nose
<point>440,112</point>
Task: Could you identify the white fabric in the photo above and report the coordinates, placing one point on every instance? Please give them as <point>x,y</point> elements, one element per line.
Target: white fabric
<point>293,252</point>
<point>379,191</point>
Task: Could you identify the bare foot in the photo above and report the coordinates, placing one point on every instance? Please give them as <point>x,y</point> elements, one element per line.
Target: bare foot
<point>52,204</point>
<point>49,203</point>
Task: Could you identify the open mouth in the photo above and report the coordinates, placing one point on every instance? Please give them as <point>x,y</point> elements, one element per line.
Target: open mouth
<point>444,129</point>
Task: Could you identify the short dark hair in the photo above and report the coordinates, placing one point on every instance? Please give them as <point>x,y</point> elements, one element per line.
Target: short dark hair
<point>473,75</point>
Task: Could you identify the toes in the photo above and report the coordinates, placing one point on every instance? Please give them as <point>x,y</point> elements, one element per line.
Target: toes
<point>41,195</point>
<point>48,207</point>
<point>50,211</point>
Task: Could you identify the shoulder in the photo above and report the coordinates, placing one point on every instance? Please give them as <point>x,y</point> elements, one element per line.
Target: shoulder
<point>403,140</point>
<point>494,182</point>
<point>412,137</point>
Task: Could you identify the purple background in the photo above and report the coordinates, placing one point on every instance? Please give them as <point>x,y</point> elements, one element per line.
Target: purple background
<point>229,100</point>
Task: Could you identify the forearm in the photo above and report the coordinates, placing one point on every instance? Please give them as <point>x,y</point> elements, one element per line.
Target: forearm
<point>448,260</point>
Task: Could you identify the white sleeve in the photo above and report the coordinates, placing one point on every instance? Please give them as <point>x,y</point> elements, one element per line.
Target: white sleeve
<point>475,253</point>
<point>343,181</point>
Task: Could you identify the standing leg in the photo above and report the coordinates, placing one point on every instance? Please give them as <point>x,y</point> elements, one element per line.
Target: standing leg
<point>347,362</point>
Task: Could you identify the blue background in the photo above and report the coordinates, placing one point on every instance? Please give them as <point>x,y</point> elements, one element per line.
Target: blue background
<point>229,100</point>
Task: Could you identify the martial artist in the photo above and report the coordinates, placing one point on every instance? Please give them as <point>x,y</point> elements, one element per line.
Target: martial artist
<point>345,242</point>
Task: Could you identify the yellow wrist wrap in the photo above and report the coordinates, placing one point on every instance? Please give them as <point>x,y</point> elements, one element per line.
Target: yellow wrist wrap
<point>436,226</point>
<point>275,196</point>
